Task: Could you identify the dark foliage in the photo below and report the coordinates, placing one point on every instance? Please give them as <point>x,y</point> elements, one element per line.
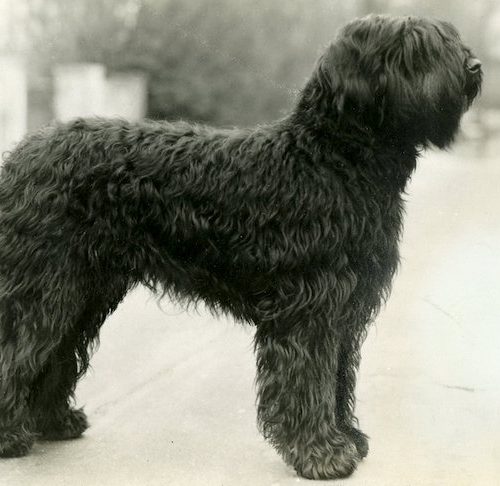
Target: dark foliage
<point>293,227</point>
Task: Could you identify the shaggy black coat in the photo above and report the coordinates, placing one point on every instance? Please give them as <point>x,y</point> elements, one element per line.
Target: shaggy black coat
<point>293,227</point>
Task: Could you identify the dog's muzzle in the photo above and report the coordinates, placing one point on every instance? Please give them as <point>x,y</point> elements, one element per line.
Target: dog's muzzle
<point>474,65</point>
<point>473,79</point>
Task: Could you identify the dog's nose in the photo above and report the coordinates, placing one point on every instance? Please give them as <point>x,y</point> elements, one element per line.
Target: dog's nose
<point>474,65</point>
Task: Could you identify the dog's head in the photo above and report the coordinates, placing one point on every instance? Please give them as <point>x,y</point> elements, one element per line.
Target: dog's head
<point>411,78</point>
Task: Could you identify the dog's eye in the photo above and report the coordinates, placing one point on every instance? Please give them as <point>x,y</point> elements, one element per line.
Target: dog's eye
<point>473,65</point>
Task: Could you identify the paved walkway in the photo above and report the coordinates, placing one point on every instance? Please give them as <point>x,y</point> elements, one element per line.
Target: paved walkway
<point>171,397</point>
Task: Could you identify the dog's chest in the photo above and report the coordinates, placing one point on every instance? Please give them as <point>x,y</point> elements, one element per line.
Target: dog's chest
<point>374,223</point>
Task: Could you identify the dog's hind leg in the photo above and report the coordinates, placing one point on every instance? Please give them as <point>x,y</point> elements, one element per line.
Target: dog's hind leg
<point>296,380</point>
<point>47,319</point>
<point>16,436</point>
<point>29,333</point>
<point>52,393</point>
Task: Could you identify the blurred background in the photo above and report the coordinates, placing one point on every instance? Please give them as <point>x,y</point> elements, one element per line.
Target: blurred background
<point>170,396</point>
<point>226,62</point>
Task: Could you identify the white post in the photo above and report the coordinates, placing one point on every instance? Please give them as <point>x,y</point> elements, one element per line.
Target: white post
<point>79,90</point>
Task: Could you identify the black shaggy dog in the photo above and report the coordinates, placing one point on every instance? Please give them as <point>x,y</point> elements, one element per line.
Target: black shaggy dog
<point>292,227</point>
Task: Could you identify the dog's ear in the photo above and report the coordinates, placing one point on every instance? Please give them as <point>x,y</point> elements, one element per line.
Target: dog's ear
<point>356,87</point>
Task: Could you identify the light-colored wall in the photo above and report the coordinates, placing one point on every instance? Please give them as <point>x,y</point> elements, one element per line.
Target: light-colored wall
<point>13,101</point>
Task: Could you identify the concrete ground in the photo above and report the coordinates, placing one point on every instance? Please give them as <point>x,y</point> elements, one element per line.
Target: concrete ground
<point>171,397</point>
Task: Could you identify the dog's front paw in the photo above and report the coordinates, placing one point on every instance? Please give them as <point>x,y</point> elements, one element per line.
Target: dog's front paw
<point>15,442</point>
<point>360,440</point>
<point>328,460</point>
<point>65,425</point>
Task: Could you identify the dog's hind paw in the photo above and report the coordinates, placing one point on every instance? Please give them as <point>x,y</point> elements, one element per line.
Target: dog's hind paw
<point>15,442</point>
<point>69,424</point>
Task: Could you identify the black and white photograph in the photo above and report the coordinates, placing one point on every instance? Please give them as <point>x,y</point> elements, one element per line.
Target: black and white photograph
<point>249,242</point>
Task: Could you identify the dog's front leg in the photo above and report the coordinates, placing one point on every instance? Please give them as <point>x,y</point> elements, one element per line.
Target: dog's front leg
<point>297,372</point>
<point>348,364</point>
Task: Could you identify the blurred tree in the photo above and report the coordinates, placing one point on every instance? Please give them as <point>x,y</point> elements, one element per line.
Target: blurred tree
<point>221,61</point>
<point>59,31</point>
<point>85,30</point>
<point>224,60</point>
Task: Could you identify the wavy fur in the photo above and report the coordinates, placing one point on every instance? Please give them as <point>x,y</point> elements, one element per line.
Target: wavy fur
<point>292,227</point>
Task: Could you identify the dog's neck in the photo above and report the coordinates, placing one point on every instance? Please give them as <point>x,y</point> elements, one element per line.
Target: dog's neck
<point>350,136</point>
